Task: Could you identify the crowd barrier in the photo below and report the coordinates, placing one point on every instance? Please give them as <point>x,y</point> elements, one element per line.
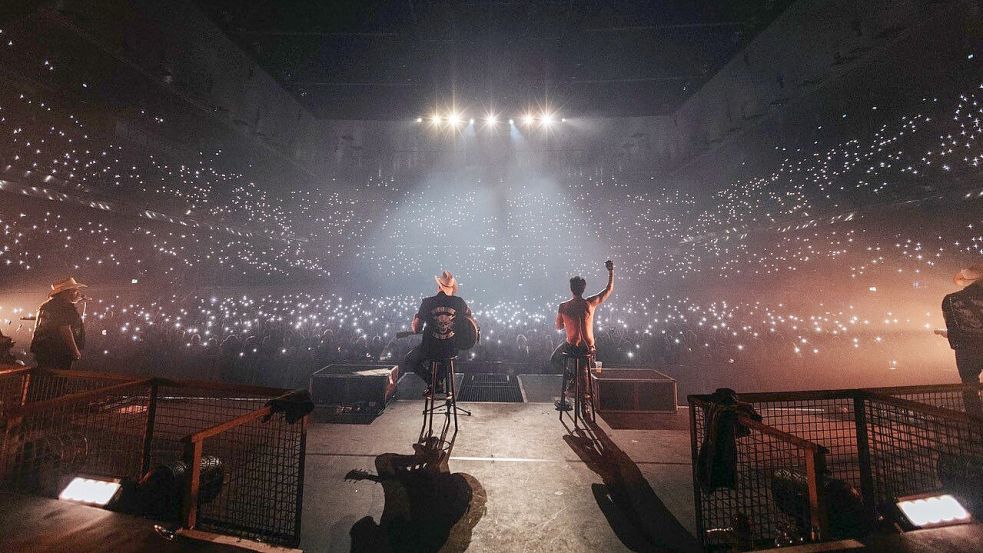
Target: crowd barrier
<point>240,466</point>
<point>829,464</point>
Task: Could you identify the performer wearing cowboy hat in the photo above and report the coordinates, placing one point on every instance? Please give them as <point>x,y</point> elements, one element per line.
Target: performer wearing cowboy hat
<point>963,312</point>
<point>59,334</point>
<point>435,319</point>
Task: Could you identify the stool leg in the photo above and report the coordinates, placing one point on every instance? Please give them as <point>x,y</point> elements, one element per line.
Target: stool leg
<point>433,392</point>
<point>577,392</point>
<point>590,390</point>
<point>452,387</point>
<point>563,390</point>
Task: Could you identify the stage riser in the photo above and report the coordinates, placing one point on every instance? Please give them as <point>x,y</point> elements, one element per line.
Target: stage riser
<point>374,384</point>
<point>619,390</point>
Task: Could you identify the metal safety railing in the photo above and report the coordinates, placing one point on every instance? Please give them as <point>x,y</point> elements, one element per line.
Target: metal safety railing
<point>876,445</point>
<point>13,388</point>
<point>768,463</point>
<point>261,468</point>
<point>56,424</point>
<point>914,449</point>
<point>96,432</point>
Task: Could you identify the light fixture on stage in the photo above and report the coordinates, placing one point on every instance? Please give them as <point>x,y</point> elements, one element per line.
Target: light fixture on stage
<point>528,119</point>
<point>90,491</point>
<point>512,122</point>
<point>160,492</point>
<point>546,118</point>
<point>471,121</point>
<point>435,119</point>
<point>491,120</point>
<point>454,119</point>
<point>419,120</point>
<point>926,511</point>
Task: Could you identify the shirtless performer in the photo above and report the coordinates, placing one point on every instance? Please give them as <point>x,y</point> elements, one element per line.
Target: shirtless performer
<point>576,316</point>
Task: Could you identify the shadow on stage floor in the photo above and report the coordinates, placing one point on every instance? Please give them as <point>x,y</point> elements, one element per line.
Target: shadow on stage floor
<point>635,513</point>
<point>427,508</point>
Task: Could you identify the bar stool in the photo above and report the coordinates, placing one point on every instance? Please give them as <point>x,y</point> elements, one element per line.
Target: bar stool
<point>450,392</point>
<point>581,369</point>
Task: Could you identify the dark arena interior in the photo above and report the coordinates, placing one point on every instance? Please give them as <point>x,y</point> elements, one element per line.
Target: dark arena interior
<point>298,275</point>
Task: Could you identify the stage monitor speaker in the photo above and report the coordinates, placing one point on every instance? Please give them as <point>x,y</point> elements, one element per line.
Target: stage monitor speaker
<point>633,391</point>
<point>347,384</point>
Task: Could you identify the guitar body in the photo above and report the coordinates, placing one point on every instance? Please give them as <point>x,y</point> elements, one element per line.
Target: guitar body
<point>467,333</point>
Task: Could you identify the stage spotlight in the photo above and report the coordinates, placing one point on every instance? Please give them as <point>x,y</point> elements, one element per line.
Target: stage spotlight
<point>511,121</point>
<point>528,119</point>
<point>933,510</point>
<point>491,120</point>
<point>90,491</point>
<point>454,119</point>
<point>419,120</point>
<point>435,119</point>
<point>546,118</point>
<point>471,121</point>
<point>563,120</point>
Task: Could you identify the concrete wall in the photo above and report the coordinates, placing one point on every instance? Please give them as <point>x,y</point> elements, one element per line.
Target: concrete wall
<point>214,95</point>
<point>819,62</point>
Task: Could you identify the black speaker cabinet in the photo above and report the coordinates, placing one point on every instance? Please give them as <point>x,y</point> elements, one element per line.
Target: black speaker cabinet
<point>341,384</point>
<point>633,391</point>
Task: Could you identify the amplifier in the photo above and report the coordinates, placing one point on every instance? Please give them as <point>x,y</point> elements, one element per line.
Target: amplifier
<point>343,383</point>
<point>633,391</point>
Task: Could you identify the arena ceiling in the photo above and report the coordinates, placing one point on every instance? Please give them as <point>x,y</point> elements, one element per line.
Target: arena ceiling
<point>393,60</point>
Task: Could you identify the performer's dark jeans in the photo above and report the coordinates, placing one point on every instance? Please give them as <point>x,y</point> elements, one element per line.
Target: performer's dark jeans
<point>55,363</point>
<point>416,361</point>
<point>558,360</point>
<point>970,365</point>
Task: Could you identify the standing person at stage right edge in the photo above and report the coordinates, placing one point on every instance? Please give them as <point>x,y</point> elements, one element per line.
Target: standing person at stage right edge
<point>59,333</point>
<point>963,312</point>
<point>576,317</point>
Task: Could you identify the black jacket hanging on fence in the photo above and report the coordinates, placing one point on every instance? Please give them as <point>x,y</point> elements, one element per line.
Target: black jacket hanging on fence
<point>294,405</point>
<point>716,464</point>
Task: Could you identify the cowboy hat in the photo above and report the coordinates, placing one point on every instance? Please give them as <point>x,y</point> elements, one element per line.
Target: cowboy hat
<point>67,284</point>
<point>447,283</point>
<point>969,275</point>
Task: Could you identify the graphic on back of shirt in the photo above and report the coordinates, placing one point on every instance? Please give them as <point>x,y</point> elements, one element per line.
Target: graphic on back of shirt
<point>968,313</point>
<point>443,317</point>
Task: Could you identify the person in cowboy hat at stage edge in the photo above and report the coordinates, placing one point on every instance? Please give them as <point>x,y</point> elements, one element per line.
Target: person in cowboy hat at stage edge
<point>435,319</point>
<point>59,334</point>
<point>963,312</point>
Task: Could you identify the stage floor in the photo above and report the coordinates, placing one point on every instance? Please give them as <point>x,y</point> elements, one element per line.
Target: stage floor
<point>516,480</point>
<point>31,524</point>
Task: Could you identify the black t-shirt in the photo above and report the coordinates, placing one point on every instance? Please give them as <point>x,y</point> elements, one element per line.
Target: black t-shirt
<point>48,342</point>
<point>439,314</point>
<point>963,312</point>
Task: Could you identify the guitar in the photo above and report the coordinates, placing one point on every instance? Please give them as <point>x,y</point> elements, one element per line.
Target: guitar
<point>466,330</point>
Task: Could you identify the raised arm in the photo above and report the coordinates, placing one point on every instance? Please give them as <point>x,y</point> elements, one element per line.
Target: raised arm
<point>601,296</point>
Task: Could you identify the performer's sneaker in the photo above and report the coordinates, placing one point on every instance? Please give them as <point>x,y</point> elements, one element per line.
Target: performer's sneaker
<point>428,392</point>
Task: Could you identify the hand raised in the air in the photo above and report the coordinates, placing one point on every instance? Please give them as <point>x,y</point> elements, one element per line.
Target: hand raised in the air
<point>609,264</point>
